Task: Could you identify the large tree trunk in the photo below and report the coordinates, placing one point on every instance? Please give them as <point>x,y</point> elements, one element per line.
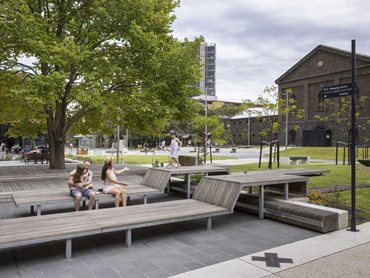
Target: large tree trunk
<point>56,125</point>
<point>56,147</point>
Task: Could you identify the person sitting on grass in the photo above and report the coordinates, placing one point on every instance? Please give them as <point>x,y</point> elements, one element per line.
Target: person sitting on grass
<point>110,183</point>
<point>80,185</point>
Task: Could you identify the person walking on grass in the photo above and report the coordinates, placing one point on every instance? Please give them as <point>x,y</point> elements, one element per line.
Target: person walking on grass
<point>80,185</point>
<point>110,183</point>
<point>174,148</point>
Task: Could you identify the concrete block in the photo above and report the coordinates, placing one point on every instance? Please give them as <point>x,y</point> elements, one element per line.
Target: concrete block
<point>312,217</point>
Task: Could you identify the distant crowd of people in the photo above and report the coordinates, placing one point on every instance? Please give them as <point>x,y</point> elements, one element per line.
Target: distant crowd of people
<point>17,149</point>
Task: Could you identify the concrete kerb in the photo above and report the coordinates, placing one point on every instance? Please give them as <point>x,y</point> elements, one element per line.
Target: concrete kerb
<point>300,252</point>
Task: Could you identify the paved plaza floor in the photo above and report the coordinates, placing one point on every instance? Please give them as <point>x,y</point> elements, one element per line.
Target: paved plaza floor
<point>160,251</point>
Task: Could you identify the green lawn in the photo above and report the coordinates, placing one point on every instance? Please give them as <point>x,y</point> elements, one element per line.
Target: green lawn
<point>362,198</point>
<point>339,174</point>
<point>327,153</point>
<point>136,159</point>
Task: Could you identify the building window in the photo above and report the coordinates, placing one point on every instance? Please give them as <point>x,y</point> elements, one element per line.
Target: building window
<point>321,103</point>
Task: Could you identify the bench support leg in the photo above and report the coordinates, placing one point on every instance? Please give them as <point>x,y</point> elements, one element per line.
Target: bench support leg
<point>209,223</point>
<point>32,209</point>
<point>84,203</point>
<point>286,191</point>
<point>68,249</point>
<point>96,204</point>
<point>250,190</point>
<point>145,199</point>
<point>261,202</point>
<point>168,187</point>
<point>128,238</point>
<point>188,190</point>
<point>38,210</point>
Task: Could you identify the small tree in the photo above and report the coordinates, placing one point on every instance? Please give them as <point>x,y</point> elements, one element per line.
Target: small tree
<point>267,108</point>
<point>214,127</point>
<point>340,112</point>
<point>245,135</point>
<point>225,113</point>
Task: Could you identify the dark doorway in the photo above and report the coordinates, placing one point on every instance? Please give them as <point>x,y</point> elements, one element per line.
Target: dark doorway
<point>317,138</point>
<point>292,137</point>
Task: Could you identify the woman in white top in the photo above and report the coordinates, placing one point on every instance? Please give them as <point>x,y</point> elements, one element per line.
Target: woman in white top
<point>175,147</point>
<point>110,183</point>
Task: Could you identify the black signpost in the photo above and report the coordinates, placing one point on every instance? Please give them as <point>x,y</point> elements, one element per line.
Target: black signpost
<point>343,90</point>
<point>353,140</point>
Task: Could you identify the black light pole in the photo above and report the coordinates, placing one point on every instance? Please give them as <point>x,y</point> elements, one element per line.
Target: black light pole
<point>353,139</point>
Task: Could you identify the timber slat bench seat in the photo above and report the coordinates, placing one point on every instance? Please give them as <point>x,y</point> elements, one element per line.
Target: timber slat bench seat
<point>276,181</point>
<point>154,182</point>
<point>188,171</point>
<point>210,199</point>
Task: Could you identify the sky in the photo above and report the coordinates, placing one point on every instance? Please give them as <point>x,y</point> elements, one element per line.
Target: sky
<point>259,40</point>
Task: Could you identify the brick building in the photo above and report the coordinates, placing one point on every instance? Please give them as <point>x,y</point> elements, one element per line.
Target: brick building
<point>323,66</point>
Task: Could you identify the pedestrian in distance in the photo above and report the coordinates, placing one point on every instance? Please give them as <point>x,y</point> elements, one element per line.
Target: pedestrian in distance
<point>174,149</point>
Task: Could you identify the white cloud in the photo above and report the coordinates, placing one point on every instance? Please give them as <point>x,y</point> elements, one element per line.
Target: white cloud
<point>258,40</point>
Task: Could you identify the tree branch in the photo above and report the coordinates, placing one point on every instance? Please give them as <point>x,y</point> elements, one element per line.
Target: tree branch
<point>71,120</point>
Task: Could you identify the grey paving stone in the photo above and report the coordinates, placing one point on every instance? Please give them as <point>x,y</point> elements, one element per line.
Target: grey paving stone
<point>10,271</point>
<point>204,259</point>
<point>104,271</point>
<point>53,270</point>
<point>145,266</point>
<point>78,270</point>
<point>176,256</point>
<point>193,265</point>
<point>172,267</point>
<point>157,274</point>
<point>187,240</point>
<point>208,249</point>
<point>131,274</point>
<point>224,257</point>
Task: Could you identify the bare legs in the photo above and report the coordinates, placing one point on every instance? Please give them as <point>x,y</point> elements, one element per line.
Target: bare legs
<point>119,193</point>
<point>174,159</point>
<point>78,201</point>
<point>92,200</point>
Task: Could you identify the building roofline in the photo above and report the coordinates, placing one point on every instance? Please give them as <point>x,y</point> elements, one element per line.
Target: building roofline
<point>317,48</point>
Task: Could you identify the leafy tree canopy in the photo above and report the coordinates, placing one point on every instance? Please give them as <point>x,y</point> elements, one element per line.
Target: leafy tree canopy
<point>96,63</point>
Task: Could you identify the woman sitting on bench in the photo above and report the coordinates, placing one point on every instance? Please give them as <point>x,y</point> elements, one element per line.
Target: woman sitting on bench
<point>80,185</point>
<point>110,183</point>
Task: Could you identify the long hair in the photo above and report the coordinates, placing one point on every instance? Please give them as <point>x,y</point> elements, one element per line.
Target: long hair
<point>80,171</point>
<point>106,167</point>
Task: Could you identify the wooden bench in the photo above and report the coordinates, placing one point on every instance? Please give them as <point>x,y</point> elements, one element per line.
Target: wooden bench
<point>146,151</point>
<point>36,157</point>
<point>288,184</point>
<point>209,200</point>
<point>154,182</point>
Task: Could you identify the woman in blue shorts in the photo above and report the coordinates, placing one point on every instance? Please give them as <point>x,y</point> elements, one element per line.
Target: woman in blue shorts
<point>79,186</point>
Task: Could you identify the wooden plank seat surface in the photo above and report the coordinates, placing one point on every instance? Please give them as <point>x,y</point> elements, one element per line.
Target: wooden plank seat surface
<point>154,182</point>
<point>209,201</point>
<point>275,182</point>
